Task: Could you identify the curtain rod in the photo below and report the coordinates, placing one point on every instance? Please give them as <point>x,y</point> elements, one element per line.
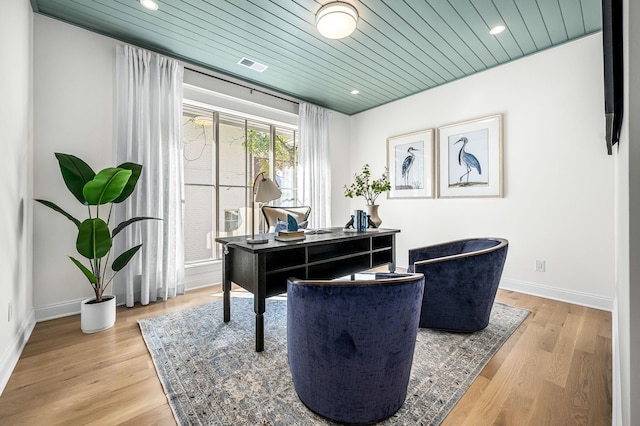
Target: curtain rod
<point>242,85</point>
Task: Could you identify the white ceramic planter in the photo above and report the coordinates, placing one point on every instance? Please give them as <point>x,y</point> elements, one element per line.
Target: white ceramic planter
<point>96,317</point>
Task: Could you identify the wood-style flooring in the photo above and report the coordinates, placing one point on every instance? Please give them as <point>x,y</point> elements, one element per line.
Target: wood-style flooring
<point>554,370</point>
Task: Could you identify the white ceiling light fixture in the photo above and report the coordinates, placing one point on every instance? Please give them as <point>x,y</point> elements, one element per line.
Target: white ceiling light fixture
<point>355,91</point>
<point>336,20</point>
<point>149,4</point>
<point>497,29</point>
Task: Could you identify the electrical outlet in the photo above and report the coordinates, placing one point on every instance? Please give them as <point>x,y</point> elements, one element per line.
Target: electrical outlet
<point>539,266</point>
<point>9,312</point>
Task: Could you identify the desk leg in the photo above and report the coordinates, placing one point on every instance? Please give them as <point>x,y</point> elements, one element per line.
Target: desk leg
<point>259,308</point>
<point>226,287</point>
<point>392,264</point>
<point>259,332</point>
<point>259,296</point>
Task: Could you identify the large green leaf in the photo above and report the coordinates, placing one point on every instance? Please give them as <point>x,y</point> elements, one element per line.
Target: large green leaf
<point>124,258</point>
<point>59,210</point>
<point>126,223</point>
<point>93,240</point>
<point>136,170</point>
<point>106,186</point>
<point>85,270</point>
<point>76,173</point>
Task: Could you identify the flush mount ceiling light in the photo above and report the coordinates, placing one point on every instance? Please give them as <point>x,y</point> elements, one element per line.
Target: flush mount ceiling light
<point>336,20</point>
<point>355,91</point>
<point>497,29</point>
<point>149,4</point>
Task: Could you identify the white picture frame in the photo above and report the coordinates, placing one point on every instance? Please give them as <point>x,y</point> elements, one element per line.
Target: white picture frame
<point>470,158</point>
<point>410,162</point>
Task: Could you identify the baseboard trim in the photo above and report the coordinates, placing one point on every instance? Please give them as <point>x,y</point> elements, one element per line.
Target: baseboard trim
<point>10,358</point>
<point>72,307</point>
<point>555,293</point>
<point>616,385</point>
<point>58,310</point>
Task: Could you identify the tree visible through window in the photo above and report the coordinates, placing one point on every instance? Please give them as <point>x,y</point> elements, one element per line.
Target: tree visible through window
<point>222,155</point>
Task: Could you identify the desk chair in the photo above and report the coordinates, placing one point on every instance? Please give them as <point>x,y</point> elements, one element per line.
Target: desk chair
<point>272,214</point>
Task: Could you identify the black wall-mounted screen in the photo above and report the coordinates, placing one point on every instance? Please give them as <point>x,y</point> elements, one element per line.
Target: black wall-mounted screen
<point>613,70</point>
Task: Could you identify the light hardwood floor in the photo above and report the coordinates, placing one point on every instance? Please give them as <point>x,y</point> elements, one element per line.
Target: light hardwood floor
<point>554,370</point>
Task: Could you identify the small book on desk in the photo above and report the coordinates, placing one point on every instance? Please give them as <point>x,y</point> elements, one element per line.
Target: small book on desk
<point>287,238</point>
<point>298,233</point>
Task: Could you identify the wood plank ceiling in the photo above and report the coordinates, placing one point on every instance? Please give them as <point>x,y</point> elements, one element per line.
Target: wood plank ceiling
<point>400,47</point>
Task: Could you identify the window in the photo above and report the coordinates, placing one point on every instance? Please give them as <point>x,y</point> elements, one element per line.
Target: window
<point>222,155</point>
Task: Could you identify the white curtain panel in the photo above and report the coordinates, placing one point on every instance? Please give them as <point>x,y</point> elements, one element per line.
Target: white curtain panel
<point>315,187</point>
<point>148,131</point>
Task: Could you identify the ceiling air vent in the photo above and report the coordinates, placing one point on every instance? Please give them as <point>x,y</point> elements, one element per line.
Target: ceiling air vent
<point>256,66</point>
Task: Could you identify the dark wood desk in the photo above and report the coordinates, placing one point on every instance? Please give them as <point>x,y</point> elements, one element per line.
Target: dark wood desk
<point>263,269</point>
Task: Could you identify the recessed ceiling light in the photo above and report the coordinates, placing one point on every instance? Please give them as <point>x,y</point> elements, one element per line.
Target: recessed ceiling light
<point>336,20</point>
<point>149,4</point>
<point>497,29</point>
<point>355,91</point>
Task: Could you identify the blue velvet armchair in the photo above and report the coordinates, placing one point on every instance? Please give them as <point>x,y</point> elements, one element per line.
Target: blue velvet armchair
<point>461,281</point>
<point>351,343</point>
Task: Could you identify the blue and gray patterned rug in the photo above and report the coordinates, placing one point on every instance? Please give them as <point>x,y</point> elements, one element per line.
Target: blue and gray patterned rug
<point>213,376</point>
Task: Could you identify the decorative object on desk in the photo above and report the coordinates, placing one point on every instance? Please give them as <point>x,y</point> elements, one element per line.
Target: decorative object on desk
<point>351,223</point>
<point>292,225</point>
<point>289,238</point>
<point>360,220</point>
<point>282,226</point>
<point>264,190</point>
<point>410,164</point>
<point>370,189</point>
<point>94,239</point>
<point>470,158</point>
<point>364,186</point>
<point>373,220</point>
<point>209,386</point>
<point>292,233</point>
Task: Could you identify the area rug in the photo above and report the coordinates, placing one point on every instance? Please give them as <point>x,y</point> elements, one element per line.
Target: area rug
<point>212,375</point>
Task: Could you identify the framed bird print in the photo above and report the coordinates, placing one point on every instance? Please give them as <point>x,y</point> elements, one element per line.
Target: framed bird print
<point>470,158</point>
<point>410,163</point>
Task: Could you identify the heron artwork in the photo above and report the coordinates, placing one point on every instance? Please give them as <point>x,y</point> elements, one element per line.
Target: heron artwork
<point>408,163</point>
<point>470,161</point>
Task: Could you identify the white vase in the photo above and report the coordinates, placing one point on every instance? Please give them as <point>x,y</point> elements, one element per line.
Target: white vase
<point>372,210</point>
<point>96,317</point>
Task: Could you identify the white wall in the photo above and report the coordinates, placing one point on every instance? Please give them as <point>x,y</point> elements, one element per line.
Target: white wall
<point>16,140</point>
<point>626,315</point>
<point>73,84</point>
<point>559,202</point>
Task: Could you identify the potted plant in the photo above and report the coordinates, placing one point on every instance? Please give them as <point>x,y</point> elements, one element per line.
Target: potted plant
<point>94,239</point>
<point>370,189</point>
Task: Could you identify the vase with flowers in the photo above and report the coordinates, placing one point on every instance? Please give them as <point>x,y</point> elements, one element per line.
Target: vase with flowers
<point>365,186</point>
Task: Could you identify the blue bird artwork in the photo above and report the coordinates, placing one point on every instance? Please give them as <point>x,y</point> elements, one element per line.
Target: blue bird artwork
<point>467,159</point>
<point>408,163</point>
